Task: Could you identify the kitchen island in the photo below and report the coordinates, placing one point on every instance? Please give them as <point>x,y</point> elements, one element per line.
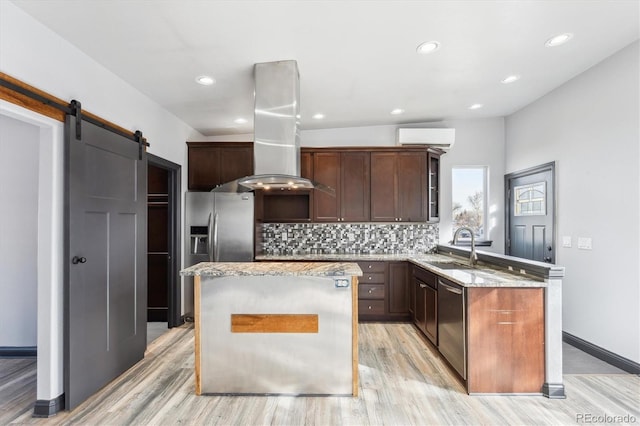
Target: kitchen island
<point>276,328</point>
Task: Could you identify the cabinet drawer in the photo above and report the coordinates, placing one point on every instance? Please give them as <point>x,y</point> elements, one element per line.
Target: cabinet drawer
<point>425,276</point>
<point>372,278</point>
<point>371,307</point>
<point>371,291</point>
<point>372,266</point>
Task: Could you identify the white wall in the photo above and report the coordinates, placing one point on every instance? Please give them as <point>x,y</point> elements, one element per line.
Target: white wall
<point>350,136</point>
<point>591,127</point>
<point>19,157</point>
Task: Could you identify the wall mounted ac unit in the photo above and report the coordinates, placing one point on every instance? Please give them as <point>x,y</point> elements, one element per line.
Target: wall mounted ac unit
<point>438,138</point>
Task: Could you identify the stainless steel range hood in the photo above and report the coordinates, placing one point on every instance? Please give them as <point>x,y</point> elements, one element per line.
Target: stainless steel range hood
<point>276,138</point>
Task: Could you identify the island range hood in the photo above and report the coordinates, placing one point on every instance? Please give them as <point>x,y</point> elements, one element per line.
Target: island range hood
<point>276,147</point>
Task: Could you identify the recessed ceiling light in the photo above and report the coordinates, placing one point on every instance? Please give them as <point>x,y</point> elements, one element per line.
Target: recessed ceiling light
<point>205,80</point>
<point>510,78</point>
<point>558,40</point>
<point>475,106</point>
<point>240,120</point>
<point>428,47</point>
<point>397,111</point>
<point>318,116</point>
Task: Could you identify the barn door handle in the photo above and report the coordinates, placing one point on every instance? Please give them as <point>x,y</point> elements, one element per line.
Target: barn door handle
<point>77,260</point>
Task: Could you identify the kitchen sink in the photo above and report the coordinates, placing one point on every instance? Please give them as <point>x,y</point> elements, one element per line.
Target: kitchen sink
<point>450,265</point>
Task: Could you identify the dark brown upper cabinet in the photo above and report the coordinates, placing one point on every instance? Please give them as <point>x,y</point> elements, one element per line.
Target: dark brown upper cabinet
<point>383,184</point>
<point>434,186</point>
<point>213,163</point>
<point>399,186</point>
<point>287,205</point>
<point>306,165</point>
<point>349,174</point>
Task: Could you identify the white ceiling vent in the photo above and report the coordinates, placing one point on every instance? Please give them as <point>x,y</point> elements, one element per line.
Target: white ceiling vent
<point>439,138</point>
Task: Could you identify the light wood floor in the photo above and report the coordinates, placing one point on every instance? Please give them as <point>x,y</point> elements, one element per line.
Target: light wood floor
<point>403,381</point>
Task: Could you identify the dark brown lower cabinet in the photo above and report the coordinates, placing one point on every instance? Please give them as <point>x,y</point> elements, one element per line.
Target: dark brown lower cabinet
<point>372,290</point>
<point>383,291</point>
<point>505,348</point>
<point>503,351</point>
<point>424,290</point>
<point>399,288</point>
<point>431,314</point>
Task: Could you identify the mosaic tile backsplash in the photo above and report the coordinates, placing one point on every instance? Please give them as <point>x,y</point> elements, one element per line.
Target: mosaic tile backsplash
<point>361,238</point>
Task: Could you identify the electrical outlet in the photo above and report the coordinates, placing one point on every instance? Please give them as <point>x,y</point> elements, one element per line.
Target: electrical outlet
<point>566,241</point>
<point>584,243</point>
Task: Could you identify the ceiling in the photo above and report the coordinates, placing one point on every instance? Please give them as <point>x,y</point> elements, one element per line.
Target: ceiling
<point>357,59</point>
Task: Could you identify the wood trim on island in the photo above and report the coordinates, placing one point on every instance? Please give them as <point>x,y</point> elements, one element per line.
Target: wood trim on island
<point>274,323</point>
<point>354,334</point>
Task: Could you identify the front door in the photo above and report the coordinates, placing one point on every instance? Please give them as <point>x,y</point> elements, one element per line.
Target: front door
<point>530,208</point>
<point>105,258</point>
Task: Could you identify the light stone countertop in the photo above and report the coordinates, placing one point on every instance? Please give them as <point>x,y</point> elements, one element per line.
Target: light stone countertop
<point>482,275</point>
<point>316,269</point>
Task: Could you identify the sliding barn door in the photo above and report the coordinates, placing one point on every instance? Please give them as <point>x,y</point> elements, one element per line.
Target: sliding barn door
<point>105,256</point>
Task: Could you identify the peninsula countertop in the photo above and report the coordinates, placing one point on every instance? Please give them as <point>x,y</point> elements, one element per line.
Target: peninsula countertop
<point>310,268</point>
<point>481,275</point>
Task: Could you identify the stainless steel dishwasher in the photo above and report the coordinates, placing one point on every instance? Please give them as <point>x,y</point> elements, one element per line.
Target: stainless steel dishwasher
<point>451,325</point>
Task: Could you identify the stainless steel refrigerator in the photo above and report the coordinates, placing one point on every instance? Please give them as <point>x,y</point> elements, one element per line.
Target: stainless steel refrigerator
<point>219,228</point>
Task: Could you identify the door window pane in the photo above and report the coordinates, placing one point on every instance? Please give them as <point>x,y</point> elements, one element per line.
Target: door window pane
<point>468,195</point>
<point>529,200</point>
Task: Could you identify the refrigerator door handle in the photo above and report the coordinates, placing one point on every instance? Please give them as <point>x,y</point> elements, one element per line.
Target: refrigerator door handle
<point>216,254</point>
<point>210,237</point>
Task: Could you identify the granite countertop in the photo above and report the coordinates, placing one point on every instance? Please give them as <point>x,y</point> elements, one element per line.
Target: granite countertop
<point>316,269</point>
<point>482,275</point>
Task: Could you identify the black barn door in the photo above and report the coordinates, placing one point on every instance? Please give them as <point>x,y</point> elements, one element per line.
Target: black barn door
<point>105,258</point>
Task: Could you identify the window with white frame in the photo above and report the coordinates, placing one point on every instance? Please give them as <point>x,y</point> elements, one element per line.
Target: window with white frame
<point>469,200</point>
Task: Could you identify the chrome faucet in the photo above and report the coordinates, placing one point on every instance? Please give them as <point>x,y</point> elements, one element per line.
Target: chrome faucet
<point>473,258</point>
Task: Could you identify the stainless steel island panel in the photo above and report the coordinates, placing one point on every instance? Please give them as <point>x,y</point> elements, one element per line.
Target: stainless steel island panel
<point>296,363</point>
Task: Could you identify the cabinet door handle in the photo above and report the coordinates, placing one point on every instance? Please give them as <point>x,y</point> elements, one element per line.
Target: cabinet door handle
<point>369,276</point>
<point>370,307</point>
<point>370,266</point>
<point>449,288</point>
<point>423,285</point>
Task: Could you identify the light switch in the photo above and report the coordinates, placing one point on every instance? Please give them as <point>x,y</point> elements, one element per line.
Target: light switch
<point>584,243</point>
<point>566,241</point>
